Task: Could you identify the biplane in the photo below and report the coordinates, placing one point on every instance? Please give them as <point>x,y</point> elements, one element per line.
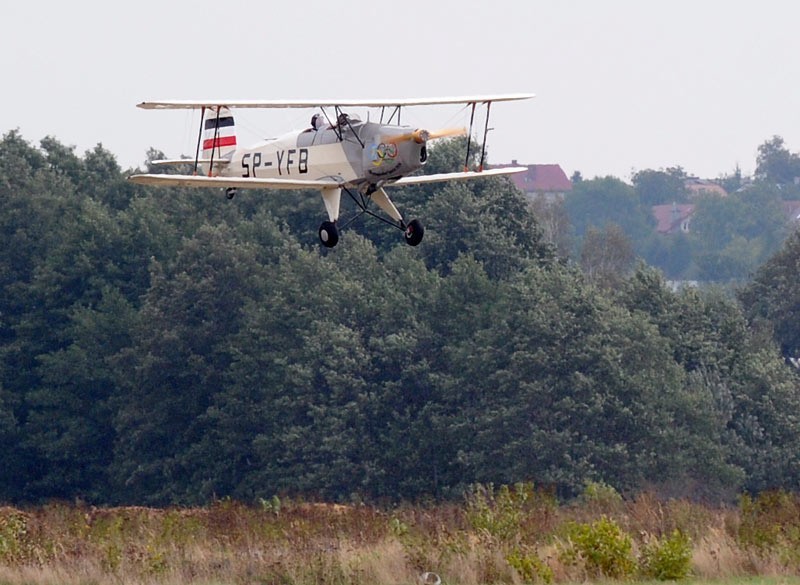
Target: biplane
<point>337,153</point>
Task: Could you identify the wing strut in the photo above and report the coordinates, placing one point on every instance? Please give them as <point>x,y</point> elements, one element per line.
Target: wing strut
<point>486,129</point>
<point>395,112</point>
<point>469,137</point>
<point>199,138</point>
<point>485,133</point>
<point>214,141</point>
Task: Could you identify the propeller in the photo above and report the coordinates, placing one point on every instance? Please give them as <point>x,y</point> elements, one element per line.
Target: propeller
<point>419,136</point>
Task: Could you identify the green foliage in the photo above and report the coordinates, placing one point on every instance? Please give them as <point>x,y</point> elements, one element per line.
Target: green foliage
<point>598,493</point>
<point>13,536</point>
<point>168,347</point>
<point>660,187</point>
<point>529,566</point>
<point>770,521</point>
<point>771,299</point>
<point>606,256</point>
<point>602,201</point>
<point>498,512</point>
<point>733,235</point>
<point>603,548</point>
<point>775,163</point>
<point>667,559</point>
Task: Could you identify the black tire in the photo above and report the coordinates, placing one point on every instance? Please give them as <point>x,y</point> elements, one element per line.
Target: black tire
<point>414,232</point>
<point>230,193</point>
<point>328,234</point>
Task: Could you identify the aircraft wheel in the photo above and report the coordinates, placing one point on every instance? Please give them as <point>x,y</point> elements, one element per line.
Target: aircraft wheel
<point>328,234</point>
<point>414,232</point>
<point>230,193</point>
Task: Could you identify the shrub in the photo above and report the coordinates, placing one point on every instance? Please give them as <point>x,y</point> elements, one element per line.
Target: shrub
<point>13,536</point>
<point>529,566</point>
<point>768,519</point>
<point>600,494</point>
<point>498,513</point>
<point>603,547</point>
<point>667,560</point>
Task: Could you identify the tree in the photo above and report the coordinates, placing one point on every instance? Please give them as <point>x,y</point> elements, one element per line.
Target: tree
<point>176,363</point>
<point>489,220</point>
<point>733,235</point>
<point>606,256</point>
<point>601,201</point>
<point>771,300</point>
<point>732,182</point>
<point>660,187</point>
<point>775,164</point>
<point>553,220</point>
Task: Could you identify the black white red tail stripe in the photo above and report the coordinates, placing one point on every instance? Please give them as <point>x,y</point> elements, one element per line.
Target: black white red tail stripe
<point>219,133</point>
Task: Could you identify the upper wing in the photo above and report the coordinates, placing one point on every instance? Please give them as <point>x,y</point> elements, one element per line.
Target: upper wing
<point>465,176</point>
<point>228,182</point>
<point>375,103</point>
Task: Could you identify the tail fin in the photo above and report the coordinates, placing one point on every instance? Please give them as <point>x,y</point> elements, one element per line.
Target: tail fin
<point>219,133</point>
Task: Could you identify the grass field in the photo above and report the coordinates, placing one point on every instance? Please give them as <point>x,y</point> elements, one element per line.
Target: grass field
<point>496,536</point>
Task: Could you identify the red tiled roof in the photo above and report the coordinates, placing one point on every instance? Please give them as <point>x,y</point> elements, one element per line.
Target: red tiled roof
<point>540,178</point>
<point>669,217</point>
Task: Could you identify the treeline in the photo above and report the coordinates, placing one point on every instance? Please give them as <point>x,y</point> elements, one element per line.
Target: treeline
<point>606,223</point>
<point>166,346</point>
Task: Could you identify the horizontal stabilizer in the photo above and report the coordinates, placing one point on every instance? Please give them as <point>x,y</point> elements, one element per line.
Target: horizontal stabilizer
<point>228,182</point>
<point>465,176</point>
<point>188,161</point>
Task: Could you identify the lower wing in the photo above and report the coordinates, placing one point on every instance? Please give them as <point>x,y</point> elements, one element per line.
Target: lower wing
<point>229,182</point>
<point>255,183</point>
<point>465,176</point>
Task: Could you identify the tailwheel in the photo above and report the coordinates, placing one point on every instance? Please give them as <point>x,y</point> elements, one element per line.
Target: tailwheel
<point>414,232</point>
<point>230,193</point>
<point>328,234</point>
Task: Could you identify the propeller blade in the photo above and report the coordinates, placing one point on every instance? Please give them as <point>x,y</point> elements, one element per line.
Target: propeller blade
<point>419,136</point>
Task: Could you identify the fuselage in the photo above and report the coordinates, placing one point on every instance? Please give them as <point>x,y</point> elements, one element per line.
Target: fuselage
<point>356,153</point>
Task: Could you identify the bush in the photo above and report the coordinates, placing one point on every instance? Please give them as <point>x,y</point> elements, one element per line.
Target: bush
<point>668,560</point>
<point>529,566</point>
<point>604,548</point>
<point>498,513</point>
<point>770,523</point>
<point>13,536</point>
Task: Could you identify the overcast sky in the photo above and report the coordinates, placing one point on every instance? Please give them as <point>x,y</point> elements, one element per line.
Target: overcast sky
<point>622,85</point>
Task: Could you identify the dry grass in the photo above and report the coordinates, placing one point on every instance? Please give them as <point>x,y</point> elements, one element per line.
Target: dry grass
<point>287,543</point>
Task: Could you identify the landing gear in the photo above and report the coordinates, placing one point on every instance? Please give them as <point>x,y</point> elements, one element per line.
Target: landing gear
<point>414,232</point>
<point>328,234</point>
<point>230,193</point>
<point>366,194</point>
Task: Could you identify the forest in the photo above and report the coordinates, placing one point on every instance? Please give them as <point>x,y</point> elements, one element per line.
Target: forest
<point>169,347</point>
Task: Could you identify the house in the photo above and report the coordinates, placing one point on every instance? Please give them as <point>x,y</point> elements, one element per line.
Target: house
<point>673,218</point>
<point>698,187</point>
<point>548,180</point>
<point>676,217</point>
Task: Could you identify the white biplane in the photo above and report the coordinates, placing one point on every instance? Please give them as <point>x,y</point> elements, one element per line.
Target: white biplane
<point>339,152</point>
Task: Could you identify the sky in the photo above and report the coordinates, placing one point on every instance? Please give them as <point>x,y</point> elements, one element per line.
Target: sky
<point>621,85</point>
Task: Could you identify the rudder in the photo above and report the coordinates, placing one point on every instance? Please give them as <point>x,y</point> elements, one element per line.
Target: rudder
<point>219,133</point>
